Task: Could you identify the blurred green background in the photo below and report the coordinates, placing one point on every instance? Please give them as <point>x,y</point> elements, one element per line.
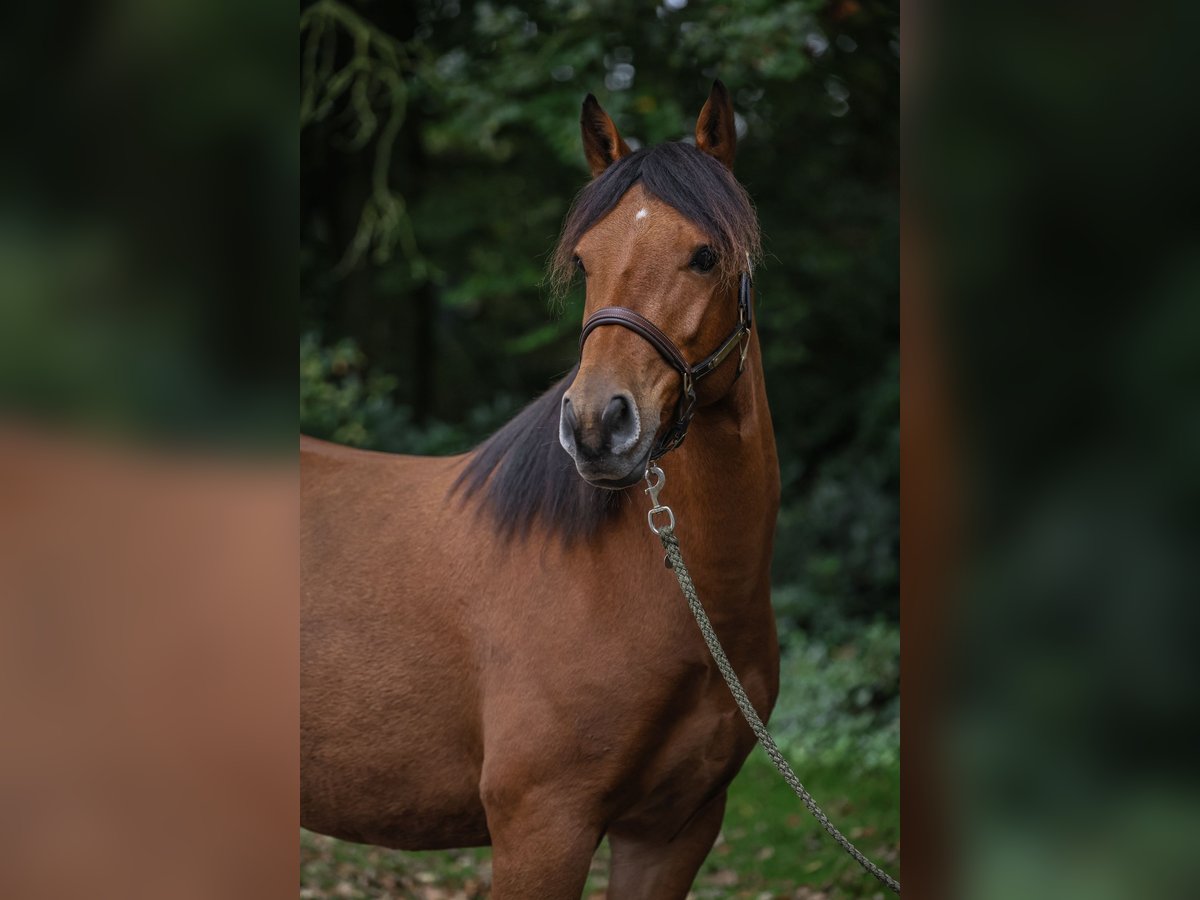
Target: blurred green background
<point>439,153</point>
<point>1052,168</point>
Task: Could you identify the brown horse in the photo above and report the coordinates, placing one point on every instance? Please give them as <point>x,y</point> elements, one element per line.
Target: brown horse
<point>492,650</point>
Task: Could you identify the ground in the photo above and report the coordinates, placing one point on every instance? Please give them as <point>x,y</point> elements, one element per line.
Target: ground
<point>770,848</point>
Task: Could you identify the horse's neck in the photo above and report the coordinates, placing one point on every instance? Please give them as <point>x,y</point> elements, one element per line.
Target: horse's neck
<point>723,484</point>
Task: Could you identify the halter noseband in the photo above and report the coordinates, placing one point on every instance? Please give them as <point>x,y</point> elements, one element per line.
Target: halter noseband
<point>644,328</point>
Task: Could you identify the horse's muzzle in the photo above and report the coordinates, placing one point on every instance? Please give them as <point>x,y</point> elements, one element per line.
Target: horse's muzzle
<point>606,442</point>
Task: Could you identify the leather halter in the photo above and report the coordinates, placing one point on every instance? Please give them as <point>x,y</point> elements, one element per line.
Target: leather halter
<point>651,333</point>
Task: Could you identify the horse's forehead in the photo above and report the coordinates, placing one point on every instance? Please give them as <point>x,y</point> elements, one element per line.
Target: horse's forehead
<point>641,221</point>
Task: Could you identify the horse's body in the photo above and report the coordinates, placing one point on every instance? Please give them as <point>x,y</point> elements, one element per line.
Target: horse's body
<point>531,687</point>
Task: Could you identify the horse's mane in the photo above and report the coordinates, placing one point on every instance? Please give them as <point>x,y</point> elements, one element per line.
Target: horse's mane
<point>522,471</point>
<point>525,474</point>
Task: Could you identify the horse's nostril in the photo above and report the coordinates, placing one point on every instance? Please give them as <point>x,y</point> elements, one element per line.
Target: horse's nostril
<point>569,415</point>
<point>617,415</point>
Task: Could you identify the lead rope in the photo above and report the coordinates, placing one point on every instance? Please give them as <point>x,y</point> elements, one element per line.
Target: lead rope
<point>666,534</point>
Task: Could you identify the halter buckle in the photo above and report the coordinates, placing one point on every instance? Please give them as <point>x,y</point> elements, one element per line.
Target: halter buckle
<point>743,348</point>
<point>689,390</point>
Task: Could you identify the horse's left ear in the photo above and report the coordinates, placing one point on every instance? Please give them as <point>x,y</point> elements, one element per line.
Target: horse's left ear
<point>716,133</point>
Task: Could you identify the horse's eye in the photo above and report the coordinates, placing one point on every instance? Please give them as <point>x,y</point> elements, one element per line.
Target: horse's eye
<point>704,259</point>
<point>579,265</point>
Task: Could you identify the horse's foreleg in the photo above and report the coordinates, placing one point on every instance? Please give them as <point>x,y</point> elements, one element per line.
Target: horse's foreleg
<point>541,847</point>
<point>648,866</point>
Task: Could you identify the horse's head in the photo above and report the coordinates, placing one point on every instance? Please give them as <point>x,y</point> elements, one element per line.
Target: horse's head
<point>664,233</point>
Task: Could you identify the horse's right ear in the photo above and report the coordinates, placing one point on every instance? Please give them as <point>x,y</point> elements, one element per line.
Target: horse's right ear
<point>602,145</point>
<point>716,131</point>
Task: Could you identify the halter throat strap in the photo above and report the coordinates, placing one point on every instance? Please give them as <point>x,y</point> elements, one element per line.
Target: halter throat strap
<point>658,339</point>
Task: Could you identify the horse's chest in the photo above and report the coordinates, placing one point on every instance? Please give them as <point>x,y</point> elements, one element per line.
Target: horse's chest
<point>639,717</point>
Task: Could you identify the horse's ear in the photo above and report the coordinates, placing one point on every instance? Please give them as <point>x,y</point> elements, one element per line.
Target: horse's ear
<point>602,145</point>
<point>716,133</point>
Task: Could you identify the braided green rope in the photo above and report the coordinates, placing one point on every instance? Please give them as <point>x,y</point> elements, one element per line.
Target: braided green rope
<point>670,543</point>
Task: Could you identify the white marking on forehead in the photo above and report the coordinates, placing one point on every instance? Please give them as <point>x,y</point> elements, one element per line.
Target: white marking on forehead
<point>641,214</point>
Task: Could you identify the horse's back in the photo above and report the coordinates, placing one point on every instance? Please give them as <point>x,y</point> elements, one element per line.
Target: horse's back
<point>390,743</point>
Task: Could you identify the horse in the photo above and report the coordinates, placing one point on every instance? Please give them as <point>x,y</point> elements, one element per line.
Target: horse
<point>492,650</point>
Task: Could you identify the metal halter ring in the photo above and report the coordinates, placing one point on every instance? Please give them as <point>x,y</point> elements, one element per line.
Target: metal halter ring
<point>660,509</point>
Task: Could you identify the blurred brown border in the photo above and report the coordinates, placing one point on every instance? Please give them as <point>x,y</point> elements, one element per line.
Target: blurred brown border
<point>149,660</point>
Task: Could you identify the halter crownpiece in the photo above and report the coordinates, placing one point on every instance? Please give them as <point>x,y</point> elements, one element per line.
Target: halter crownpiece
<point>657,338</point>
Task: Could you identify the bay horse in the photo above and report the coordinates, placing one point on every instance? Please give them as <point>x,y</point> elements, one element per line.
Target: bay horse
<point>492,651</point>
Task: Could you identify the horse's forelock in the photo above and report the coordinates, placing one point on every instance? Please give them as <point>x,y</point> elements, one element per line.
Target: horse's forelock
<point>686,179</point>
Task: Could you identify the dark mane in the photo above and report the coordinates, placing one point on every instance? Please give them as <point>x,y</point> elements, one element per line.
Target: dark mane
<point>524,473</point>
<point>686,179</point>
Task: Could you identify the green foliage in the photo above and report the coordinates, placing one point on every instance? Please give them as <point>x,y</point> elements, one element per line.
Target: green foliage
<point>840,705</point>
<point>341,400</point>
<point>841,563</point>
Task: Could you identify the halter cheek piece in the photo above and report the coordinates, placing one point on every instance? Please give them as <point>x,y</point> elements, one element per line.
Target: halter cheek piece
<point>644,328</point>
